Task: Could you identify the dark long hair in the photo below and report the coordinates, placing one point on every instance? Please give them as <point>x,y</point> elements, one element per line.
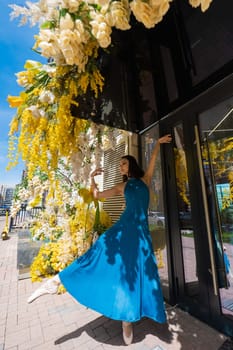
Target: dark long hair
<point>134,169</point>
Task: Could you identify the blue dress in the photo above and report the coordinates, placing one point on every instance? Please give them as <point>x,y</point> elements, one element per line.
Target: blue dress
<point>118,275</point>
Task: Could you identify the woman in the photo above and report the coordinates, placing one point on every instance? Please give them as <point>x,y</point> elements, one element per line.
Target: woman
<point>118,275</point>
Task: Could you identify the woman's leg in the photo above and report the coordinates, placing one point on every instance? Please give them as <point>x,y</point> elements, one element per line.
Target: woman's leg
<point>127,329</point>
<point>49,287</point>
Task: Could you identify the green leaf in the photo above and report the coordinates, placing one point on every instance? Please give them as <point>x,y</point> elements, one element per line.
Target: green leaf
<point>63,12</point>
<point>48,25</point>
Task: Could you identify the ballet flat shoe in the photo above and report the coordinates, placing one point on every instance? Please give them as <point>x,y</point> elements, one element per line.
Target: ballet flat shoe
<point>49,287</point>
<point>127,332</point>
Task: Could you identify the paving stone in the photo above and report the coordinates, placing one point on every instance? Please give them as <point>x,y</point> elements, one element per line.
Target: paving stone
<point>27,250</point>
<point>59,322</point>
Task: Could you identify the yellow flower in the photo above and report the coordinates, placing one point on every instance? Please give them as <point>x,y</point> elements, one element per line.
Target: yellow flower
<point>32,64</point>
<point>86,195</point>
<point>14,125</point>
<point>14,101</point>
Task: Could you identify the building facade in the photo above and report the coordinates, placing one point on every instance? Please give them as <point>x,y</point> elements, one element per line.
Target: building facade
<point>6,197</point>
<point>177,78</point>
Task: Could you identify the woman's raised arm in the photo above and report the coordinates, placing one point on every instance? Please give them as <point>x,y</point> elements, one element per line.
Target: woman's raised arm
<point>150,169</point>
<point>114,191</point>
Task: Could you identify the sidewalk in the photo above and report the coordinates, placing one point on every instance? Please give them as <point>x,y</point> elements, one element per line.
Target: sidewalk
<point>59,322</point>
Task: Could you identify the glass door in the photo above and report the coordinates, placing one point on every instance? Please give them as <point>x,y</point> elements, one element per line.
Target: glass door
<point>156,213</point>
<point>198,180</point>
<point>193,195</point>
<point>216,136</point>
<point>185,216</point>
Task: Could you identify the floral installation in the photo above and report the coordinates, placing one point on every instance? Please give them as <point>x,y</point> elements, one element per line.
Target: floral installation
<point>75,238</point>
<point>71,33</point>
<point>67,225</point>
<point>59,148</point>
<point>47,130</point>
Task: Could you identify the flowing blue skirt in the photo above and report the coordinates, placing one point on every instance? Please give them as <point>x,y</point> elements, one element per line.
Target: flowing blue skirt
<point>118,275</point>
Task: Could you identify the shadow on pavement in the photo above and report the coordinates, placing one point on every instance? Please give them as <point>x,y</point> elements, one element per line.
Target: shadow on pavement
<point>182,331</point>
<point>107,331</point>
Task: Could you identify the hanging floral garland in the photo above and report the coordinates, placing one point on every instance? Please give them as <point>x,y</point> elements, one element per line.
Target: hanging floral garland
<point>71,32</point>
<point>44,131</point>
<point>67,223</point>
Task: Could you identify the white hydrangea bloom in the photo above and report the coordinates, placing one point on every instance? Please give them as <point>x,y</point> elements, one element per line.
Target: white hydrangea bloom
<point>101,3</point>
<point>22,81</point>
<point>15,208</point>
<point>47,41</point>
<point>24,194</point>
<point>82,35</point>
<point>100,29</point>
<point>51,70</point>
<point>147,14</point>
<point>72,51</point>
<point>203,3</point>
<point>71,5</point>
<point>46,97</point>
<point>36,112</point>
<point>66,22</point>
<point>119,15</point>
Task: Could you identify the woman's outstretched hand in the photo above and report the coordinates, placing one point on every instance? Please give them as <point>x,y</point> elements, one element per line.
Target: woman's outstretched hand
<point>165,139</point>
<point>97,171</point>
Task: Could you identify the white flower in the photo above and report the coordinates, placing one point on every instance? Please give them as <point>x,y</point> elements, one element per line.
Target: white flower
<point>51,70</point>
<point>24,194</point>
<point>71,5</point>
<point>22,80</point>
<point>36,112</point>
<point>72,51</point>
<point>101,30</point>
<point>82,35</point>
<point>100,2</point>
<point>161,9</point>
<point>204,4</point>
<point>147,14</point>
<point>46,97</point>
<point>39,12</point>
<point>195,3</point>
<point>47,40</point>
<point>66,22</point>
<point>164,8</point>
<point>119,15</point>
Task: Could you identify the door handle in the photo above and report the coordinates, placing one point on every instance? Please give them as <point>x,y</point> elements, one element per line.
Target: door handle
<point>206,212</point>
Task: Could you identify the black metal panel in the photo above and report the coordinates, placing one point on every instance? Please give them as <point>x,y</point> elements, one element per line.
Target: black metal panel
<point>210,37</point>
<point>150,73</point>
<point>128,98</point>
<point>115,106</point>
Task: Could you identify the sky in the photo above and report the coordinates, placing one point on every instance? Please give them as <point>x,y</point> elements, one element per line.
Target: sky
<point>15,48</point>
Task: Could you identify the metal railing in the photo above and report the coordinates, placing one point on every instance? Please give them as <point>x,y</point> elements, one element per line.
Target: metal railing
<point>22,216</point>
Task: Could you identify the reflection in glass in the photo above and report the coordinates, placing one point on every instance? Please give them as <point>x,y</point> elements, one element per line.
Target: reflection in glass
<point>184,207</point>
<point>156,209</point>
<point>217,152</point>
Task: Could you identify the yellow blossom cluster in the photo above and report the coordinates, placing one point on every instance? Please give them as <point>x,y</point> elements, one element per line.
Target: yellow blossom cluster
<point>66,225</point>
<point>47,129</point>
<point>181,174</point>
<point>220,154</point>
<point>56,255</point>
<point>44,130</point>
<point>70,36</point>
